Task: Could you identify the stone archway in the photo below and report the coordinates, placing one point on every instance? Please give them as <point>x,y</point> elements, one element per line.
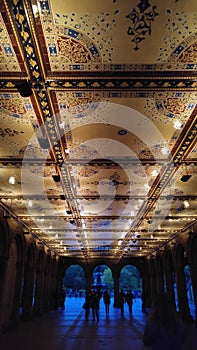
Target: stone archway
<point>180,262</point>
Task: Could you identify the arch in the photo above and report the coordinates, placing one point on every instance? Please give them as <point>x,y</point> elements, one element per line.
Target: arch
<point>132,279</point>
<point>74,281</point>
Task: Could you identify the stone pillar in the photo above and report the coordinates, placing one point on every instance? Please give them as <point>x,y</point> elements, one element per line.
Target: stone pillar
<point>3,264</point>
<point>116,276</point>
<point>17,294</point>
<point>182,294</point>
<point>146,287</point>
<point>168,268</point>
<point>38,307</point>
<point>159,276</point>
<point>46,290</point>
<point>153,282</point>
<point>28,290</point>
<point>88,276</point>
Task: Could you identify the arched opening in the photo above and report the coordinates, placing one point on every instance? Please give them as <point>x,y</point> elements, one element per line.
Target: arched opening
<point>102,279</point>
<point>130,283</point>
<point>74,281</point>
<point>130,279</point>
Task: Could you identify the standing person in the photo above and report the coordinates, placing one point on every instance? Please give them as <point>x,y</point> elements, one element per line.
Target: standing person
<point>164,329</point>
<point>121,301</point>
<point>87,304</point>
<point>106,299</point>
<point>95,299</point>
<point>129,299</point>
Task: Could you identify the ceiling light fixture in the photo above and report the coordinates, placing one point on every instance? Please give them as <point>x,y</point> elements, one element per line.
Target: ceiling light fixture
<point>154,172</point>
<point>186,204</point>
<point>12,180</point>
<point>35,10</point>
<point>177,124</point>
<point>164,150</point>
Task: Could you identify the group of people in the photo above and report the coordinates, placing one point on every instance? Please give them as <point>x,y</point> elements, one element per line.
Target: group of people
<point>125,298</point>
<point>92,300</point>
<point>163,330</point>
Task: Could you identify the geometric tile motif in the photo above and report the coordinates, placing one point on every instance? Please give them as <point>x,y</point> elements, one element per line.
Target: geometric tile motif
<point>93,32</point>
<point>178,35</point>
<point>8,60</point>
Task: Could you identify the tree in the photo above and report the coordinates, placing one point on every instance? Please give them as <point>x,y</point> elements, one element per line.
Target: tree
<point>130,278</point>
<point>74,278</point>
<point>108,279</point>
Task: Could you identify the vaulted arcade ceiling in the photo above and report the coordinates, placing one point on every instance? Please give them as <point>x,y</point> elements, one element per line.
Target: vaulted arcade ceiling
<point>98,123</point>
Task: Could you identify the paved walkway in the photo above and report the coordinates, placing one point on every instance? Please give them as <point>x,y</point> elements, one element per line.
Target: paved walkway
<point>67,329</point>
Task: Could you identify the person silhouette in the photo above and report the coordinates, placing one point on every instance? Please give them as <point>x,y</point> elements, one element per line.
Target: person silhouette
<point>106,300</point>
<point>164,328</point>
<point>121,301</point>
<point>129,299</point>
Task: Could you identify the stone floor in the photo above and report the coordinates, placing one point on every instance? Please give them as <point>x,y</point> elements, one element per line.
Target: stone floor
<point>67,329</point>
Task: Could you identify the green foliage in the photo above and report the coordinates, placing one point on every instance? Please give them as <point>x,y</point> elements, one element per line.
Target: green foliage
<point>108,279</point>
<point>74,278</point>
<point>130,278</point>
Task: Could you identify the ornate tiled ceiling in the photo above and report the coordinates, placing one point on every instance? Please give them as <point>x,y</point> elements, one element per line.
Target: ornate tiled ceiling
<point>91,160</point>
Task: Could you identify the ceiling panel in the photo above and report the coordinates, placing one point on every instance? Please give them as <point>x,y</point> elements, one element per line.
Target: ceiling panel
<point>99,160</point>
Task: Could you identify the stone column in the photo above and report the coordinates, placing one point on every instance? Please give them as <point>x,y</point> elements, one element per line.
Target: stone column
<point>159,277</point>
<point>170,287</point>
<point>182,294</point>
<point>88,276</point>
<point>153,285</point>
<point>28,290</point>
<point>3,264</point>
<point>38,307</point>
<point>116,276</point>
